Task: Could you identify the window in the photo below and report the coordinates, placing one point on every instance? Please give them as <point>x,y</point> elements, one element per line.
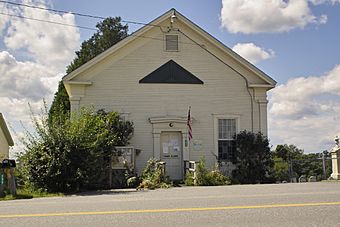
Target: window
<point>171,42</point>
<point>226,142</point>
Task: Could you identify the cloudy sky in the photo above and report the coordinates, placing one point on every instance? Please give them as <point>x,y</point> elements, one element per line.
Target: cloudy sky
<point>297,42</point>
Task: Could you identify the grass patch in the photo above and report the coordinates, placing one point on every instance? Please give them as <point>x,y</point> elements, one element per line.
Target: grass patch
<point>29,194</point>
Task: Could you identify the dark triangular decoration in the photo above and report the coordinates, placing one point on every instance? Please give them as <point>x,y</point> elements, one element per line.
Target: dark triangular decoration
<point>171,73</point>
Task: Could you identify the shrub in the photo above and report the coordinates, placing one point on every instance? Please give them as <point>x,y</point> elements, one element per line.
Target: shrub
<point>153,176</point>
<point>281,170</point>
<point>71,154</point>
<point>205,177</point>
<point>253,157</point>
<point>189,179</point>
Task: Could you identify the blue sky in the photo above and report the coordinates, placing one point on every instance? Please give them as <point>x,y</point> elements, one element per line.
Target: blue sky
<point>296,42</point>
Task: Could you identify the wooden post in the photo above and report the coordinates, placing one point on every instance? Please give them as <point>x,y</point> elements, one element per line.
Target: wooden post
<point>2,183</point>
<point>11,180</point>
<point>110,172</point>
<point>195,177</point>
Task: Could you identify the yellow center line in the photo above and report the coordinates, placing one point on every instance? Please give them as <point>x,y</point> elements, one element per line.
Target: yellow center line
<point>169,210</point>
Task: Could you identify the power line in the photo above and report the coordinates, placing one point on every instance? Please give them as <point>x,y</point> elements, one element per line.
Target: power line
<point>79,14</point>
<point>83,27</point>
<point>48,21</point>
<point>74,13</point>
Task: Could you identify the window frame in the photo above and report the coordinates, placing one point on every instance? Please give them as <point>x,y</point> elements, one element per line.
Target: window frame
<point>216,130</point>
<point>178,42</point>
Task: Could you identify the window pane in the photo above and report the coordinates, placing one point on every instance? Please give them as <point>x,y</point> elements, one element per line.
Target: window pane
<point>226,150</point>
<point>226,128</point>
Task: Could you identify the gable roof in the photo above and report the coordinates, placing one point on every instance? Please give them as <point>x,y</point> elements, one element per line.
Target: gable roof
<point>156,23</point>
<point>171,73</point>
<point>5,130</point>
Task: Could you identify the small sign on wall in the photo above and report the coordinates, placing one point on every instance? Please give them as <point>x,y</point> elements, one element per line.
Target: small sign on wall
<point>197,145</point>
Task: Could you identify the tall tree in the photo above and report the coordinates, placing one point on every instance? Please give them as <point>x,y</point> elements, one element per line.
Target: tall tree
<point>288,152</point>
<point>110,31</point>
<point>254,159</point>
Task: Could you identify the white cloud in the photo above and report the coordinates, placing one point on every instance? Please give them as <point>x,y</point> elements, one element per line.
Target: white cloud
<point>46,48</point>
<point>253,53</point>
<point>256,16</point>
<point>24,79</point>
<point>3,19</point>
<point>48,44</point>
<point>305,111</point>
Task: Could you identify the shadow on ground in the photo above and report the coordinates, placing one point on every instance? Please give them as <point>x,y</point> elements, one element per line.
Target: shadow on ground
<point>106,192</point>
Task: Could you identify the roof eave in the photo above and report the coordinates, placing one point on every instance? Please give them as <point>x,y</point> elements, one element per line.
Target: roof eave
<point>117,46</point>
<point>227,50</point>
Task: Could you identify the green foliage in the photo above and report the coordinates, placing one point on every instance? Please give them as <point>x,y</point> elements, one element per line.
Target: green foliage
<point>302,164</point>
<point>28,193</point>
<point>110,31</point>
<point>215,178</point>
<point>204,177</point>
<point>122,129</point>
<point>254,159</point>
<point>60,108</point>
<point>70,154</point>
<point>201,173</point>
<point>281,170</point>
<point>288,152</point>
<point>153,176</point>
<point>189,179</point>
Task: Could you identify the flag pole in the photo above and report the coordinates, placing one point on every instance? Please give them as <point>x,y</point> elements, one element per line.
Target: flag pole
<point>189,132</point>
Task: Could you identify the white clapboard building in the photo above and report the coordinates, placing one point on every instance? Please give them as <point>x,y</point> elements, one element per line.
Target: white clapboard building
<point>152,78</point>
<point>5,139</point>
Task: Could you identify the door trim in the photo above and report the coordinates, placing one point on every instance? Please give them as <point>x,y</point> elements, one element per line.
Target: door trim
<point>169,124</point>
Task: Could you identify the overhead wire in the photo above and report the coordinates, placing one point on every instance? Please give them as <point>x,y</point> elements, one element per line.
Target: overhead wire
<point>125,21</point>
<point>47,21</point>
<point>74,13</point>
<point>81,27</point>
<point>230,67</point>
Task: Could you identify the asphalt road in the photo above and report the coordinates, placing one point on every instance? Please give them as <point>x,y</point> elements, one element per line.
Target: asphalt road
<point>305,204</point>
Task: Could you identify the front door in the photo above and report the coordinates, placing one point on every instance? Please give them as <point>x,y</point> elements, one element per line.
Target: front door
<point>171,154</point>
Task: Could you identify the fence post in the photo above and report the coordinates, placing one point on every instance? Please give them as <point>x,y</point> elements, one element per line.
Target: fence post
<point>195,177</point>
<point>290,170</point>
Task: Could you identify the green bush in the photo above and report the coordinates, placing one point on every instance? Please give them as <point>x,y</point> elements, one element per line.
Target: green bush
<point>69,155</point>
<point>215,178</point>
<point>253,158</point>
<point>204,177</point>
<point>153,176</point>
<point>189,179</point>
<point>281,170</point>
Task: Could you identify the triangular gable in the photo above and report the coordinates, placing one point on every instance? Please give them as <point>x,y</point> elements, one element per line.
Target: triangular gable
<point>166,16</point>
<point>171,73</point>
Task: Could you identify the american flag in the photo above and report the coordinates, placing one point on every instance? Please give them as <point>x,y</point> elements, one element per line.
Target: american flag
<point>189,125</point>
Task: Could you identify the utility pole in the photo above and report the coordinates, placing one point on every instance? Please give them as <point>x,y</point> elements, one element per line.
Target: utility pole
<point>324,164</point>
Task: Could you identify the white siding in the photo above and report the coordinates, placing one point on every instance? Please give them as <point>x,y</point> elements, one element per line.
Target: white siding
<point>4,148</point>
<point>224,92</point>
